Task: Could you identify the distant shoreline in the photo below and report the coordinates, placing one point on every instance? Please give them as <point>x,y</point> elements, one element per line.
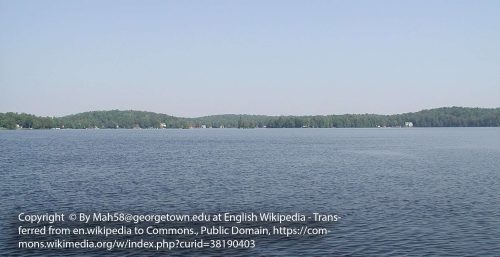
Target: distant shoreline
<point>118,119</point>
<point>131,129</point>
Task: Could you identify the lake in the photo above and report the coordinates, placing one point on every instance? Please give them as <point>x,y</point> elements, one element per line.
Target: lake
<point>411,192</point>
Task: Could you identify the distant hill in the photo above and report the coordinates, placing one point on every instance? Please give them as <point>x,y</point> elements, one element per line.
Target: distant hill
<point>439,117</point>
<point>120,119</point>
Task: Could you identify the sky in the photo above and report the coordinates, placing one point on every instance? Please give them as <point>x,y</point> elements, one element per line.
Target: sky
<point>196,58</point>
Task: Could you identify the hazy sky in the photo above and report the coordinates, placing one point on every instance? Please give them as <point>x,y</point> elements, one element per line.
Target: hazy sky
<point>194,58</point>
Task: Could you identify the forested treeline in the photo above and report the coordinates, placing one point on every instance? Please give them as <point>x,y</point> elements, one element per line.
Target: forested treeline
<point>439,117</point>
<point>120,119</point>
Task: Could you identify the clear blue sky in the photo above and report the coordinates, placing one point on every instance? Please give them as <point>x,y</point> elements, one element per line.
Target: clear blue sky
<point>194,58</point>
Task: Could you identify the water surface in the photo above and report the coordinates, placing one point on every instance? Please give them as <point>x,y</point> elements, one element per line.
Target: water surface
<point>413,192</point>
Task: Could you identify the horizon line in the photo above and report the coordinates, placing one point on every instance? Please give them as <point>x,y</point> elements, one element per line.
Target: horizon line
<point>267,115</point>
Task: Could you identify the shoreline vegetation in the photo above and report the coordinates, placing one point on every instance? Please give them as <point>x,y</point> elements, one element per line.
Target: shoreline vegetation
<point>438,117</point>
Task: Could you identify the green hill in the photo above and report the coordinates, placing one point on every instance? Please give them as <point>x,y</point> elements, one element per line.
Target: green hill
<point>439,117</point>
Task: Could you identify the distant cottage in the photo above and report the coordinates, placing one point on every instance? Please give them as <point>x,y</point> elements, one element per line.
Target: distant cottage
<point>408,124</point>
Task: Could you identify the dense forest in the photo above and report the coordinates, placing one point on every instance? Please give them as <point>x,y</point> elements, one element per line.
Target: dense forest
<point>439,117</point>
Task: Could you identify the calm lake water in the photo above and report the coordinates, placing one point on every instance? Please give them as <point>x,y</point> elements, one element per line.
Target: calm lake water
<point>412,192</point>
